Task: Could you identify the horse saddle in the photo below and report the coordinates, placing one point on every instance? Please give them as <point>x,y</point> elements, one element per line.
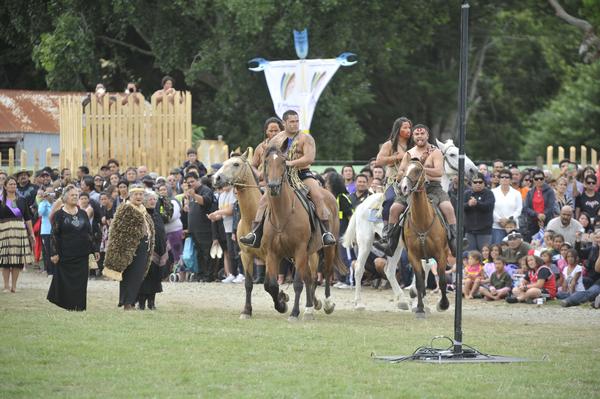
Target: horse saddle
<point>310,208</point>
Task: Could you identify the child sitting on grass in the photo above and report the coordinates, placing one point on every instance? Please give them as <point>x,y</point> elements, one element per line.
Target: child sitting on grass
<point>473,274</point>
<point>538,281</point>
<point>499,284</point>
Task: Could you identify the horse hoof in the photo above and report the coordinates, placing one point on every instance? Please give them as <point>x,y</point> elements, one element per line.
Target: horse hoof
<point>329,308</point>
<point>420,315</point>
<point>308,315</point>
<point>403,306</point>
<point>283,309</point>
<point>318,304</point>
<point>284,296</point>
<point>441,308</point>
<point>359,306</point>
<point>412,293</point>
<point>293,319</point>
<point>245,316</point>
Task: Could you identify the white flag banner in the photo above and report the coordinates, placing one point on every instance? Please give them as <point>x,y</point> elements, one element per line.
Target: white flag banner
<point>298,84</point>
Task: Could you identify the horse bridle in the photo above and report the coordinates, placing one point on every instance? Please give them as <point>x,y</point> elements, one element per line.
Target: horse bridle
<point>238,183</point>
<point>415,184</point>
<point>454,168</point>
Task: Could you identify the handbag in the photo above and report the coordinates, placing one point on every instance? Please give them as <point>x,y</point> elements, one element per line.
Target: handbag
<point>189,256</point>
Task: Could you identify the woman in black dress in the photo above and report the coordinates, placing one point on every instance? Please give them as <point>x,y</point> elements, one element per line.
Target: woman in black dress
<point>152,285</point>
<point>72,243</point>
<point>16,234</point>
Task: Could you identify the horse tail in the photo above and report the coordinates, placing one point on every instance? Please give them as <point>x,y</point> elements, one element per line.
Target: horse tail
<point>350,235</point>
<point>338,264</point>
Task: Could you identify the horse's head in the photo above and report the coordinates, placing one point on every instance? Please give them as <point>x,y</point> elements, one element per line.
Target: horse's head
<point>274,170</point>
<point>233,171</point>
<point>414,177</point>
<point>451,156</point>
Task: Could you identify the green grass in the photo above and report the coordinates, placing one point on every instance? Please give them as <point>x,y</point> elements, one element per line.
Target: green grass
<point>204,351</point>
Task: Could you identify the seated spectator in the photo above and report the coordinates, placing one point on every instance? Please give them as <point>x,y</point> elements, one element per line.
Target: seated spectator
<point>591,281</point>
<point>571,278</point>
<point>498,285</point>
<point>473,274</point>
<point>516,250</point>
<point>192,160</point>
<point>547,259</point>
<point>489,266</point>
<point>539,280</point>
<point>565,224</point>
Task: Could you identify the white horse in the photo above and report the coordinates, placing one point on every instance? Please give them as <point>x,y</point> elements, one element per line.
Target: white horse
<point>361,229</point>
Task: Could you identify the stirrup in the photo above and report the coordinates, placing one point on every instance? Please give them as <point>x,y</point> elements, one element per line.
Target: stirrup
<point>250,240</point>
<point>328,239</point>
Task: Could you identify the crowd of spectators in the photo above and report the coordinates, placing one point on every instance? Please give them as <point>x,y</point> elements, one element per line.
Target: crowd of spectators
<point>531,234</point>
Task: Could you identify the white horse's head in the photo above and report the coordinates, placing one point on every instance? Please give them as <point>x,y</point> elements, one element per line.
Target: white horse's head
<point>450,152</point>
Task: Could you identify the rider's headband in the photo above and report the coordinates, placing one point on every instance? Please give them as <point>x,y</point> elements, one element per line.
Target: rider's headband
<point>420,130</point>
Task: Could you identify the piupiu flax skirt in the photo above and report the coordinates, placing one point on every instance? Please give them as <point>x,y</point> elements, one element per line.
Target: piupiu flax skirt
<point>15,250</point>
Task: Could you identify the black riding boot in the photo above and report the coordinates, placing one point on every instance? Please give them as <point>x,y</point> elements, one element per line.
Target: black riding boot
<point>328,238</point>
<point>253,238</point>
<point>389,241</point>
<point>260,274</point>
<point>452,239</point>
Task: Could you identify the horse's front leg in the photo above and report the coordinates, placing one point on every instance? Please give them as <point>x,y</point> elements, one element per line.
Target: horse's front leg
<point>248,262</point>
<point>420,283</point>
<point>272,287</point>
<point>298,286</point>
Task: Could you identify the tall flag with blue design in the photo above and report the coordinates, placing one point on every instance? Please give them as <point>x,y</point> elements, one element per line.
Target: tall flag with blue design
<point>298,84</point>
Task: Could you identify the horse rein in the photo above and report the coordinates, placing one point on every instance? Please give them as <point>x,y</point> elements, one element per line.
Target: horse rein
<point>237,183</point>
<point>446,162</point>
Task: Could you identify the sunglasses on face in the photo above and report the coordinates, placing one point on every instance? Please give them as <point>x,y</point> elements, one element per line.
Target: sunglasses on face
<point>505,177</point>
<point>477,181</point>
<point>590,182</point>
<point>538,178</point>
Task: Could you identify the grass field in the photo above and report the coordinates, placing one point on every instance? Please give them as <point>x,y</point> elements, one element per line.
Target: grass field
<point>199,348</point>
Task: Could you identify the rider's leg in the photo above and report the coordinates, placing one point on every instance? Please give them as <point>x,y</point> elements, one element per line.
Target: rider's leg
<point>391,231</point>
<point>314,189</point>
<point>448,212</point>
<point>253,238</point>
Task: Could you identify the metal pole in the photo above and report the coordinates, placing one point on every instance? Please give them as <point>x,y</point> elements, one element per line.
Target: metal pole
<point>462,107</point>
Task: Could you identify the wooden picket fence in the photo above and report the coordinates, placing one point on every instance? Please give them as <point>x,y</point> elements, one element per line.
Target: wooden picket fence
<point>22,164</point>
<point>583,156</point>
<point>155,135</point>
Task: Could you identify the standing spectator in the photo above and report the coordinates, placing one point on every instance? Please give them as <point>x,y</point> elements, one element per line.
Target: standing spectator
<point>539,206</point>
<point>568,170</point>
<point>3,177</point>
<point>167,93</point>
<point>497,165</point>
<point>562,197</point>
<point>123,193</point>
<point>142,171</point>
<point>130,245</point>
<point>376,186</point>
<point>113,165</point>
<point>151,284</point>
<point>508,205</point>
<point>44,209</point>
<point>192,160</point>
<point>515,174</point>
<point>114,179</point>
<point>26,189</point>
<point>16,235</point>
<point>479,209</point>
<point>87,186</point>
<point>589,200</point>
<point>99,185</point>
<point>525,185</point>
<point>227,200</point>
<point>131,176</point>
<point>81,172</point>
<point>566,225</point>
<point>131,93</point>
<point>379,173</point>
<point>174,226</point>
<point>107,213</point>
<point>348,175</point>
<point>72,244</point>
<point>65,177</point>
<point>335,184</point>
<point>361,190</point>
<point>200,199</point>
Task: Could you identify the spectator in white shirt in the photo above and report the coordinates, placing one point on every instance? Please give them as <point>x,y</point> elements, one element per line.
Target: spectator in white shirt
<point>508,205</point>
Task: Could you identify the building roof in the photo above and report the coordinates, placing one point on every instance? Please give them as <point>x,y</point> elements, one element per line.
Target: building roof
<point>31,111</point>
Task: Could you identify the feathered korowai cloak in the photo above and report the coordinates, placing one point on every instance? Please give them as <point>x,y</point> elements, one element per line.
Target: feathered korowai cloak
<point>129,225</point>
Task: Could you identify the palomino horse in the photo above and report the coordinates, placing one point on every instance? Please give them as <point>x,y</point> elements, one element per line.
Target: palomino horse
<point>424,234</point>
<point>361,229</point>
<point>238,172</point>
<point>287,234</point>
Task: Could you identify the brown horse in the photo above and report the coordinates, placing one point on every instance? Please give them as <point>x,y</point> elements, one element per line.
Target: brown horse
<point>287,234</point>
<point>237,172</point>
<point>424,234</point>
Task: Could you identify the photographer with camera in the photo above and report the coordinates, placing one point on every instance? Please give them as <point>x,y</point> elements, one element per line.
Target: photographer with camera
<point>131,92</point>
<point>47,198</point>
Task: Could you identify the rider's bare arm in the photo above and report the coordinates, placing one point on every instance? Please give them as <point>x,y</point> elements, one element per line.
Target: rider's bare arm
<point>307,144</point>
<point>403,165</point>
<point>257,157</point>
<point>383,158</point>
<point>435,164</point>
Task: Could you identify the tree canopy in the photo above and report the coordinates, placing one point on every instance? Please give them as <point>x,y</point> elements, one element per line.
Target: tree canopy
<point>528,85</point>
